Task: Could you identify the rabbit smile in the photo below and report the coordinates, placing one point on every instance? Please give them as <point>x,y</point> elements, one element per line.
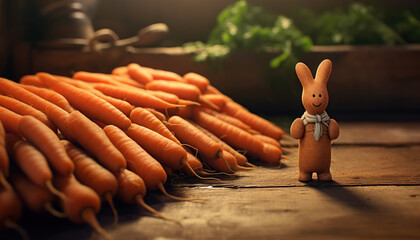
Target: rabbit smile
<point>317,105</point>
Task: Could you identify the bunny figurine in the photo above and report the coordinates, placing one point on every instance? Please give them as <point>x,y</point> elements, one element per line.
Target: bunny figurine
<point>314,129</point>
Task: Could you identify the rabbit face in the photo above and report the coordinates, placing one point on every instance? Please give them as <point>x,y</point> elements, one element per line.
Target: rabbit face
<point>314,95</point>
<point>315,98</point>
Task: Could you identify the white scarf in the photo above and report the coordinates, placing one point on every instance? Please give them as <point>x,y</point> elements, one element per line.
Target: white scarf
<point>317,119</point>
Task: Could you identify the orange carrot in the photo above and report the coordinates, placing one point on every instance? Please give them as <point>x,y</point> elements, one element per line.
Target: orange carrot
<point>34,165</point>
<point>162,149</point>
<point>269,140</point>
<point>131,189</point>
<point>32,80</point>
<point>93,175</point>
<point>120,71</point>
<point>86,102</point>
<point>241,159</point>
<point>4,158</point>
<point>158,114</point>
<point>10,208</point>
<point>47,142</point>
<point>224,117</point>
<point>146,119</point>
<point>126,80</point>
<point>121,105</point>
<point>139,98</point>
<point>34,197</point>
<point>138,160</point>
<point>257,123</point>
<point>167,97</point>
<point>25,109</point>
<point>195,164</point>
<point>81,204</point>
<point>16,91</point>
<point>234,136</point>
<point>198,80</point>
<point>182,90</point>
<point>9,120</point>
<point>216,99</point>
<point>224,163</point>
<point>189,134</point>
<point>212,90</point>
<point>139,74</point>
<point>50,96</point>
<point>106,78</point>
<point>94,140</point>
<point>158,74</point>
<point>60,118</point>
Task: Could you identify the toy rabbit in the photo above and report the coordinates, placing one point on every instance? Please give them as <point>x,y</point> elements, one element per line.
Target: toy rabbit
<point>314,129</point>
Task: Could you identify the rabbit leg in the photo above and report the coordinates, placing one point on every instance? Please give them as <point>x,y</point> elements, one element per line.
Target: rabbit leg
<point>324,176</point>
<point>304,176</point>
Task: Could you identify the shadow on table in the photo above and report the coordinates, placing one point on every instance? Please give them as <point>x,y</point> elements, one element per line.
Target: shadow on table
<point>343,194</point>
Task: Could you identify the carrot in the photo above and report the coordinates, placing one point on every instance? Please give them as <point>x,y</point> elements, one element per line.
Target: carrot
<point>139,74</point>
<point>9,120</point>
<point>241,159</point>
<point>106,78</point>
<point>131,189</point>
<point>36,198</point>
<point>167,97</point>
<point>32,80</point>
<point>257,123</point>
<point>120,71</point>
<point>234,136</point>
<point>10,211</point>
<point>139,98</point>
<point>212,90</point>
<point>34,165</point>
<point>50,96</point>
<point>86,102</point>
<point>138,160</point>
<point>269,140</point>
<point>94,140</point>
<point>224,117</point>
<point>224,163</point>
<point>47,142</point>
<point>4,158</point>
<point>162,149</point>
<point>125,80</point>
<point>146,119</point>
<point>189,134</point>
<point>93,175</point>
<point>60,119</point>
<point>25,109</point>
<point>158,74</point>
<point>157,114</point>
<point>16,91</point>
<point>198,80</point>
<point>182,90</point>
<point>121,105</point>
<point>195,164</point>
<point>81,204</point>
<point>215,99</point>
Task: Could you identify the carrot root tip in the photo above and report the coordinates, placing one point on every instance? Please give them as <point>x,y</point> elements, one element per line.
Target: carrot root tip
<point>48,207</point>
<point>140,201</point>
<point>88,216</point>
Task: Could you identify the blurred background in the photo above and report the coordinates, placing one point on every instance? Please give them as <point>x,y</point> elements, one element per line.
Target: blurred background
<point>247,49</point>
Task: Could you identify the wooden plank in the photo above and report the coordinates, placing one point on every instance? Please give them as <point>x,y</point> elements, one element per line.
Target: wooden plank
<point>350,165</point>
<point>374,134</point>
<point>310,212</point>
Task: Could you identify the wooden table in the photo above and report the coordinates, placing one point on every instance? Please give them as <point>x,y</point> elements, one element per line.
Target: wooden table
<point>375,195</point>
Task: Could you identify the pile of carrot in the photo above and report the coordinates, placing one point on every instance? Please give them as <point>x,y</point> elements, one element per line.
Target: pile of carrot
<point>94,137</point>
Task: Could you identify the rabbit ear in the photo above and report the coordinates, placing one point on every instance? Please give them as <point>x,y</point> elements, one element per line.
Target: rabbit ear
<point>323,72</point>
<point>304,74</point>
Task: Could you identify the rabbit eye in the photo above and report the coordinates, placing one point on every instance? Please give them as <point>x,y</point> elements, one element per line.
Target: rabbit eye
<point>313,95</point>
<point>320,95</point>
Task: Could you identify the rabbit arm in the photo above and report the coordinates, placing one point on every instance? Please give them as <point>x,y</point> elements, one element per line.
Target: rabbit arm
<point>333,129</point>
<point>297,130</point>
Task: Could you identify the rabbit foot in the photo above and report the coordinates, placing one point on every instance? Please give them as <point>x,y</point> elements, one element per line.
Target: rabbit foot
<point>304,176</point>
<point>325,176</point>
